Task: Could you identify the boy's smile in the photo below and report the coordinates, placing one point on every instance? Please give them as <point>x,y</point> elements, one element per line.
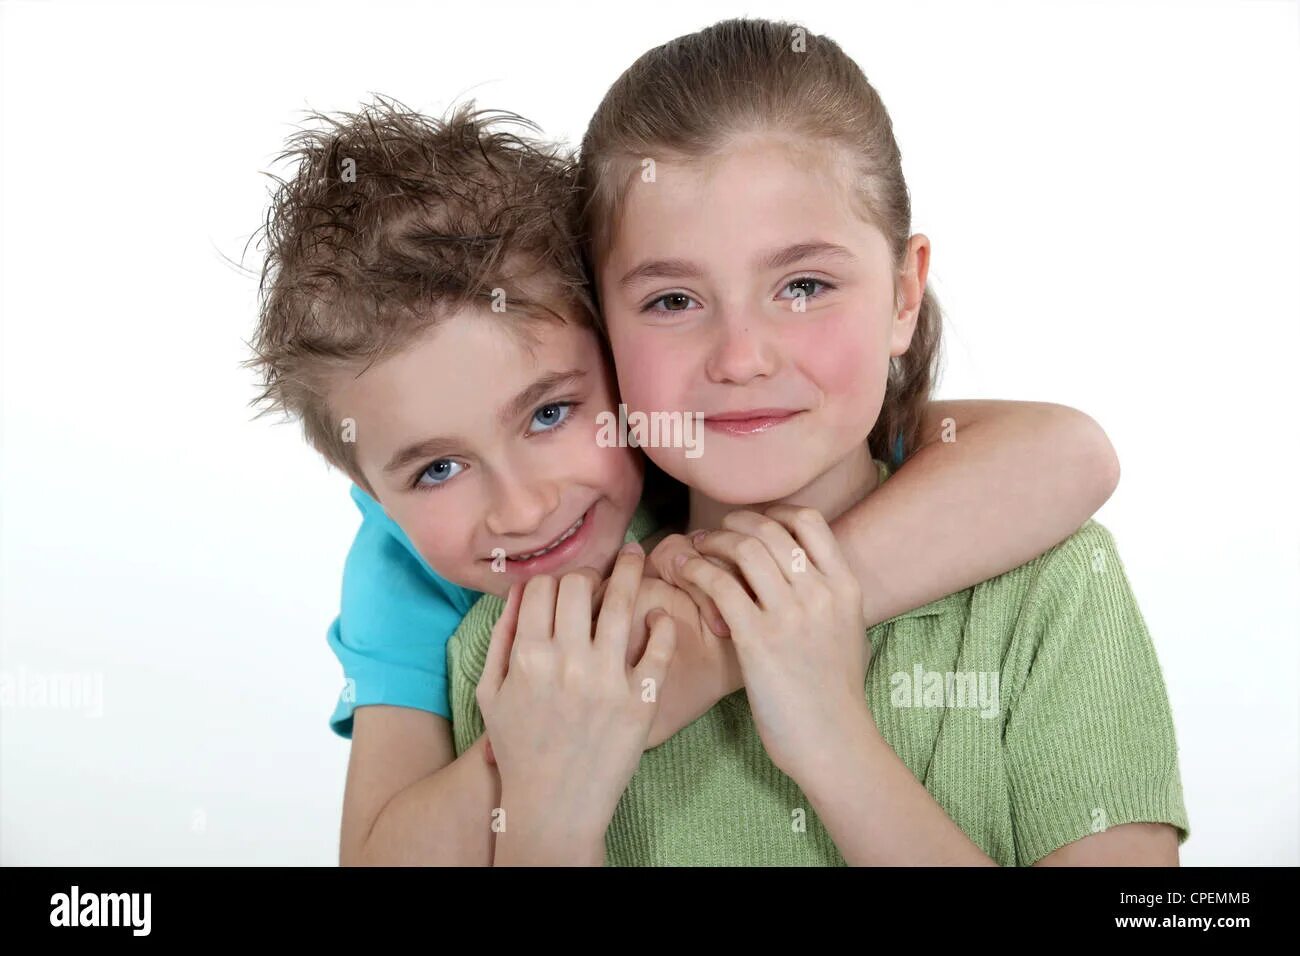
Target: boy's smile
<point>555,554</point>
<point>479,440</point>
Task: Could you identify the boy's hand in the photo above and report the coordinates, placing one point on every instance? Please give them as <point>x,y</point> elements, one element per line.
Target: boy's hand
<point>799,637</point>
<point>665,559</point>
<point>704,668</point>
<point>567,715</point>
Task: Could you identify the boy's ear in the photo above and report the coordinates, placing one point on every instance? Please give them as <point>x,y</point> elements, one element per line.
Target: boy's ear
<point>911,292</point>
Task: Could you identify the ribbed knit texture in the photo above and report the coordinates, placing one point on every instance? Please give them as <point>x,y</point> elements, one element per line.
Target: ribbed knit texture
<point>1081,738</point>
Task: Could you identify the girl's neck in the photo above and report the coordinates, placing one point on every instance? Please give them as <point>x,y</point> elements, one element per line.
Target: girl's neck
<point>832,493</point>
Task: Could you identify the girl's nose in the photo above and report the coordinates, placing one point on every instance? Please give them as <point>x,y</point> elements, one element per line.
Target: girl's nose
<point>742,350</point>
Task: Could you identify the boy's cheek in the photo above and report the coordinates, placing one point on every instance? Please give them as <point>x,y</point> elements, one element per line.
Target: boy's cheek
<point>436,539</point>
<point>600,462</point>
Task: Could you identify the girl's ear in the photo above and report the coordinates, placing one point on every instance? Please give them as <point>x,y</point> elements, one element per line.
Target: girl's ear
<point>911,291</point>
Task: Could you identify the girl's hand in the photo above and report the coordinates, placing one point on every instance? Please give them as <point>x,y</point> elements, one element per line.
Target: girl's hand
<point>795,614</point>
<point>567,715</point>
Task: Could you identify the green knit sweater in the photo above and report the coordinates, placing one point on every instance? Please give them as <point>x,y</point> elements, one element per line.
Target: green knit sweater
<point>1031,707</point>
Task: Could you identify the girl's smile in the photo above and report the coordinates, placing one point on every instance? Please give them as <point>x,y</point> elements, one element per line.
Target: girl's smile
<point>753,421</point>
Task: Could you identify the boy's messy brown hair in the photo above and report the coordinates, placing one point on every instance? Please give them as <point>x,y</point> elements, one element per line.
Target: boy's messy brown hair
<point>391,221</point>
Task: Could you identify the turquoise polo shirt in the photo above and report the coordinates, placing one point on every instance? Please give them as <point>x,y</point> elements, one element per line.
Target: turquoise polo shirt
<point>394,622</point>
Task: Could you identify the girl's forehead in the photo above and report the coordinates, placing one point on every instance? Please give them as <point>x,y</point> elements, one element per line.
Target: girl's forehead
<point>658,182</point>
<point>763,197</point>
<point>771,153</point>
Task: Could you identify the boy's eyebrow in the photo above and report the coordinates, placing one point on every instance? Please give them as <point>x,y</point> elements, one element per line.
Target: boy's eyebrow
<point>534,393</point>
<point>805,250</point>
<point>435,447</point>
<point>422,451</point>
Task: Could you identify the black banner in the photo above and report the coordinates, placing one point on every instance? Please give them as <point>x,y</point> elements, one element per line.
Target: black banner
<point>913,906</point>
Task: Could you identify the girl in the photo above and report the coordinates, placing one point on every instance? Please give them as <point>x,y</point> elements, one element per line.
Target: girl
<point>765,275</point>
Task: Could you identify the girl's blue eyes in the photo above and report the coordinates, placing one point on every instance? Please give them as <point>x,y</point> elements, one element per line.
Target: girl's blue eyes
<point>547,418</point>
<point>681,302</point>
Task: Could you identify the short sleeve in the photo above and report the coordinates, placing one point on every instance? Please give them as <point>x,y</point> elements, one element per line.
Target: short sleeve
<point>394,622</point>
<point>1089,736</point>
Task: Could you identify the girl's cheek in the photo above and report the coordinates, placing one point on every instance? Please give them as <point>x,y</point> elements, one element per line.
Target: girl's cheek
<point>646,392</point>
<point>650,376</point>
<point>843,357</point>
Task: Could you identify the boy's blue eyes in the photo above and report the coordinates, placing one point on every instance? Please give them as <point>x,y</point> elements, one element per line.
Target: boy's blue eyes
<point>548,417</point>
<point>681,302</point>
<point>441,471</point>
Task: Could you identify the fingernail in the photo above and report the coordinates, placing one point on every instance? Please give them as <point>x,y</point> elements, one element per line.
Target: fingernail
<point>680,560</point>
<point>632,547</point>
<point>697,535</point>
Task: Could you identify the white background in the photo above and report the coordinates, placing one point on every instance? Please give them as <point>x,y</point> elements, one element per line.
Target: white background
<point>1112,193</point>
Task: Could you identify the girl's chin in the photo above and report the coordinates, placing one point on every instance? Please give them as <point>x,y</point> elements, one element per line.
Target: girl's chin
<point>731,488</point>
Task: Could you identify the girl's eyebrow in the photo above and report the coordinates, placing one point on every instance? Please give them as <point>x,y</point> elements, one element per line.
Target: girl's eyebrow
<point>805,250</point>
<point>661,269</point>
<point>780,259</point>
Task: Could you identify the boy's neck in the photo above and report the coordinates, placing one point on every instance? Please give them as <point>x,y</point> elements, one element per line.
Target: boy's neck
<point>832,493</point>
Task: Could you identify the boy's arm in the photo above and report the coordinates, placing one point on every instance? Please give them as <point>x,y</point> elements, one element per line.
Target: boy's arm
<point>993,485</point>
<point>408,802</point>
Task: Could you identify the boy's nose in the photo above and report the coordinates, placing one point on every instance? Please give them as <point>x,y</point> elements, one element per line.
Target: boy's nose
<point>742,350</point>
<point>521,506</point>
